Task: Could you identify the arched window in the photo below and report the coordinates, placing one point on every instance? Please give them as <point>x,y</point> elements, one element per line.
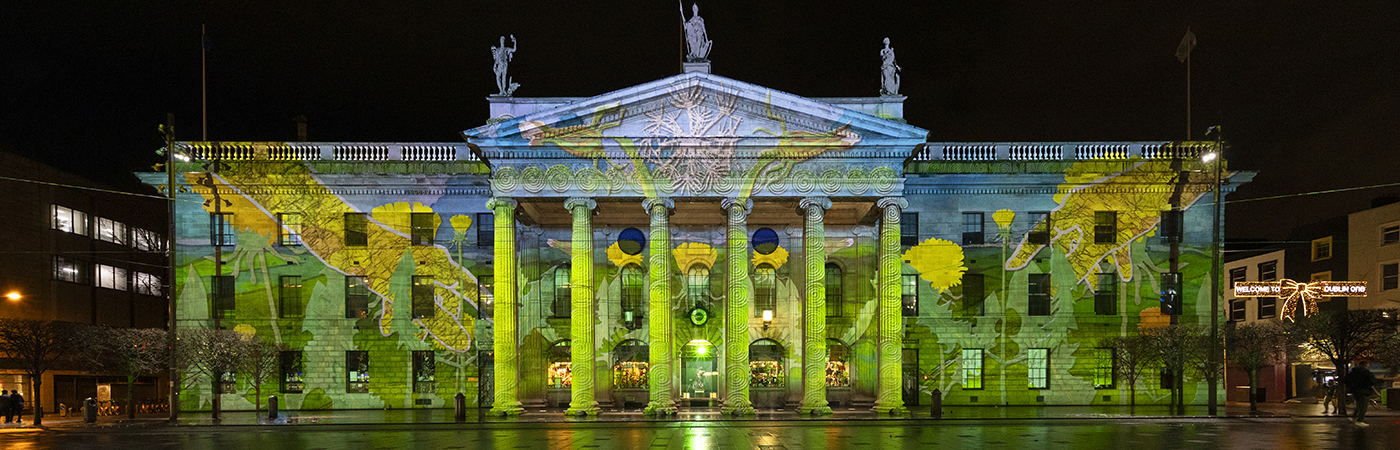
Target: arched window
<point>632,296</point>
<point>697,285</point>
<point>835,296</point>
<point>630,366</point>
<point>766,364</point>
<point>765,281</point>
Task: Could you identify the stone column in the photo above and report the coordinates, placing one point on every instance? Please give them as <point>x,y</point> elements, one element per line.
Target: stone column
<point>736,309</point>
<point>661,349</point>
<point>504,312</point>
<point>583,311</point>
<point>889,353</point>
<point>814,330</point>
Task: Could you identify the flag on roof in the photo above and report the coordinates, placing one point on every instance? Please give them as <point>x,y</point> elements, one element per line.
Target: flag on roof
<point>1188,42</point>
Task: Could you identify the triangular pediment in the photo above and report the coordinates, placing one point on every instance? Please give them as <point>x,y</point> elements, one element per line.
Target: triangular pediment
<point>691,132</point>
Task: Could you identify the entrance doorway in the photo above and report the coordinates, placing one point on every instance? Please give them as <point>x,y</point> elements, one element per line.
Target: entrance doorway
<point>699,380</point>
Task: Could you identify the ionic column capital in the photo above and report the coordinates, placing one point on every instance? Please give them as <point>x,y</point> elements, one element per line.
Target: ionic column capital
<point>729,203</point>
<point>887,202</point>
<point>501,202</point>
<point>806,204</point>
<point>650,204</point>
<point>574,202</point>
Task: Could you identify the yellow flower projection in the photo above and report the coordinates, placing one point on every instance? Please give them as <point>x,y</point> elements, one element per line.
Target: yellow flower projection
<point>1152,318</point>
<point>620,258</point>
<point>460,224</point>
<point>692,253</point>
<point>395,215</point>
<point>938,261</point>
<point>775,259</point>
<point>245,330</point>
<point>1003,218</point>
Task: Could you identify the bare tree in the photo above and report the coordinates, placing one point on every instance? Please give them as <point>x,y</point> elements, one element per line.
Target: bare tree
<point>261,360</point>
<point>211,354</point>
<point>1133,356</point>
<point>1344,337</point>
<point>130,351</point>
<point>35,347</point>
<point>1176,348</point>
<point>1252,347</point>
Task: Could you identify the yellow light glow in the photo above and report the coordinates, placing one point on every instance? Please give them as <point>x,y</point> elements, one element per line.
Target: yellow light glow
<point>768,315</point>
<point>1208,157</point>
<point>13,295</point>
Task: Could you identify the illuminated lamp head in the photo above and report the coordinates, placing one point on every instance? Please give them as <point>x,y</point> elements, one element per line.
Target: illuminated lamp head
<point>14,296</point>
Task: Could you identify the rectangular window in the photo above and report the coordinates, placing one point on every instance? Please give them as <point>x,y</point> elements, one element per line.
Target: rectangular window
<point>356,297</point>
<point>1170,301</point>
<point>222,297</point>
<point>422,229</point>
<point>356,229</point>
<point>228,383</point>
<point>485,230</point>
<point>1237,310</point>
<point>111,277</point>
<point>1039,299</point>
<point>1104,370</point>
<point>290,233</point>
<point>70,270</point>
<point>1390,234</point>
<point>909,295</point>
<point>145,283</point>
<point>424,303</point>
<point>1321,276</point>
<point>1322,248</point>
<point>221,229</point>
<point>1268,307</point>
<point>357,372</point>
<point>835,290</point>
<point>1390,276</point>
<point>1237,275</point>
<point>972,228</point>
<point>1171,226</point>
<point>974,294</point>
<point>563,296</point>
<point>111,231</point>
<point>1268,271</point>
<point>632,285</point>
<point>293,372</point>
<point>70,220</point>
<point>147,240</point>
<point>1038,365</point>
<point>289,297</point>
<point>1105,227</point>
<point>1040,228</point>
<point>424,372</point>
<point>908,229</point>
<point>1106,297</point>
<point>485,298</point>
<point>972,368</point>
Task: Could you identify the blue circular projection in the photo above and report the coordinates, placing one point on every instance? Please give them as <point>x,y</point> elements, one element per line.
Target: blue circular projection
<point>765,241</point>
<point>631,241</point>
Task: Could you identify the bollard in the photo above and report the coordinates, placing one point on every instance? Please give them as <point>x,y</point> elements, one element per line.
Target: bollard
<point>936,406</point>
<point>90,410</point>
<point>272,407</point>
<point>461,413</point>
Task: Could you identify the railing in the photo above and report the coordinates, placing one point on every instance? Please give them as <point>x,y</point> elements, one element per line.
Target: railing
<point>311,151</point>
<point>1060,151</point>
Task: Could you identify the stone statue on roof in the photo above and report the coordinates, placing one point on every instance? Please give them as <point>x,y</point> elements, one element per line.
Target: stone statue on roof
<point>889,72</point>
<point>502,55</point>
<point>695,36</point>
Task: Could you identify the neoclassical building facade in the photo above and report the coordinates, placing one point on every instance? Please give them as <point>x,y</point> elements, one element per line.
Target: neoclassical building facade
<point>693,242</point>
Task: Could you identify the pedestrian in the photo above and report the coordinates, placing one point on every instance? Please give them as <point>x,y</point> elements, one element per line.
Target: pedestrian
<point>1360,383</point>
<point>17,406</point>
<point>5,404</point>
<point>1329,390</point>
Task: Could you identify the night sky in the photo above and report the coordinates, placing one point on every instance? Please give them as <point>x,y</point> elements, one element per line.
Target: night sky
<point>1307,90</point>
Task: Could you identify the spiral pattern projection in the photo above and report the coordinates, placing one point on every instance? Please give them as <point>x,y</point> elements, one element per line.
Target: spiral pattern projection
<point>814,351</point>
<point>582,400</point>
<point>660,350</point>
<point>736,338</point>
<point>507,397</point>
<point>888,381</point>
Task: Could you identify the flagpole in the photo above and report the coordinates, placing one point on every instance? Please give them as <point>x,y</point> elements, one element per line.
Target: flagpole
<point>1188,92</point>
<point>203,83</point>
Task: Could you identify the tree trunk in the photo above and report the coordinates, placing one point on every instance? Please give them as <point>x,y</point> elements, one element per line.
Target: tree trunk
<point>1253,389</point>
<point>257,396</point>
<point>130,392</point>
<point>37,381</point>
<point>1341,390</point>
<point>218,395</point>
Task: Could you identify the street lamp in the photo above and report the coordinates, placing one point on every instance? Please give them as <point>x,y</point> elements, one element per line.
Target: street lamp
<point>1218,159</point>
<point>14,296</point>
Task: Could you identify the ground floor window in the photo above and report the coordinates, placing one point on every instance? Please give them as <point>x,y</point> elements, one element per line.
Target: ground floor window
<point>561,369</point>
<point>424,371</point>
<point>972,368</point>
<point>1103,368</point>
<point>1038,365</point>
<point>630,365</point>
<point>293,372</point>
<point>838,368</point>
<point>766,364</point>
<point>357,372</point>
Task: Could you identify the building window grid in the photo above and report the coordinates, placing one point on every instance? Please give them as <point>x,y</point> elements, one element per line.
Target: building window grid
<point>1268,271</point>
<point>293,372</point>
<point>485,297</point>
<point>1268,307</point>
<point>111,277</point>
<point>147,240</point>
<point>357,372</point>
<point>70,220</point>
<point>562,304</point>
<point>697,285</point>
<point>146,283</point>
<point>1322,248</point>
<point>1390,276</point>
<point>1237,275</point>
<point>1106,296</point>
<point>1038,300</point>
<point>424,303</point>
<point>909,295</point>
<point>1105,227</point>
<point>289,297</point>
<point>972,228</point>
<point>908,228</point>
<point>971,368</point>
<point>765,289</point>
<point>974,294</point>
<point>424,372</point>
<point>1390,234</point>
<point>221,229</point>
<point>1038,368</point>
<point>632,284</point>
<point>356,297</point>
<point>69,269</point>
<point>1237,310</point>
<point>289,231</point>
<point>1105,370</point>
<point>421,229</point>
<point>485,230</point>
<point>111,231</point>
<point>1172,225</point>
<point>835,290</point>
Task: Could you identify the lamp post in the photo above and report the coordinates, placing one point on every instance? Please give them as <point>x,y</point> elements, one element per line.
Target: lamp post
<point>1217,157</point>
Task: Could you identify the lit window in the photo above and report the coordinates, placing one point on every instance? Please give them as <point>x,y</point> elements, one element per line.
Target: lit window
<point>974,294</point>
<point>147,240</point>
<point>1390,234</point>
<point>972,368</point>
<point>424,305</point>
<point>356,297</point>
<point>485,298</point>
<point>145,283</point>
<point>70,220</point>
<point>421,228</point>
<point>111,231</point>
<point>424,372</point>
<point>289,296</point>
<point>1038,302</point>
<point>1105,227</point>
<point>1322,248</point>
<point>111,277</point>
<point>1104,372</point>
<point>1390,276</point>
<point>765,288</point>
<point>293,372</point>
<point>972,228</point>
<point>1170,300</point>
<point>1038,365</point>
<point>291,228</point>
<point>1106,297</point>
<point>909,295</point>
<point>69,269</point>
<point>357,372</point>
<point>697,284</point>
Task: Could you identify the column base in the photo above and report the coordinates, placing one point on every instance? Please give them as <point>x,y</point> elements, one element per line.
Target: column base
<point>507,410</point>
<point>662,408</point>
<point>741,410</point>
<point>815,410</point>
<point>891,410</point>
<point>583,411</point>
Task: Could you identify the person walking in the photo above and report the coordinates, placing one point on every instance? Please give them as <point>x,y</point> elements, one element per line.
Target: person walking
<point>5,405</point>
<point>1360,383</point>
<point>1329,395</point>
<point>16,406</point>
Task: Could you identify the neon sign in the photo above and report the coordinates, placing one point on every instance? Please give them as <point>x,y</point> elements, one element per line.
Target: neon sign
<point>1297,295</point>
